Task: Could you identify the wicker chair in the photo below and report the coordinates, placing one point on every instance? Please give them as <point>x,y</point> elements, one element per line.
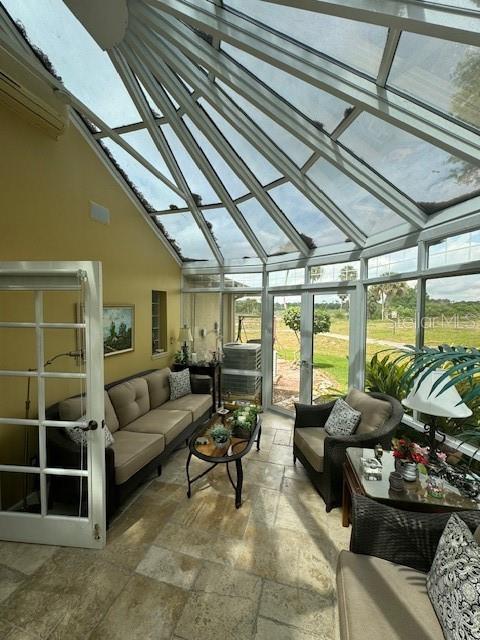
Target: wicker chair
<point>328,481</point>
<point>408,538</point>
<point>382,581</point>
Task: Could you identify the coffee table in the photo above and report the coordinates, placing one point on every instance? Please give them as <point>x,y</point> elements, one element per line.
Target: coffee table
<point>413,498</point>
<point>233,452</point>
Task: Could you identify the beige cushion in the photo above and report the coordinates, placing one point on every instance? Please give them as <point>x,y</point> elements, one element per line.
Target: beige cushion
<point>111,419</point>
<point>374,412</point>
<point>169,423</point>
<point>133,451</point>
<point>196,403</point>
<point>380,600</point>
<point>476,534</point>
<point>72,409</point>
<point>130,400</point>
<point>311,442</point>
<point>158,387</point>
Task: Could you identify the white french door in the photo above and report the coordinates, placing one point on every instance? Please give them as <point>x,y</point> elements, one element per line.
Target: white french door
<point>308,346</point>
<point>52,313</point>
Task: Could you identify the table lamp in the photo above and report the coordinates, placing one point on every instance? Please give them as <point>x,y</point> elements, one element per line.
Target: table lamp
<point>185,337</point>
<point>437,404</point>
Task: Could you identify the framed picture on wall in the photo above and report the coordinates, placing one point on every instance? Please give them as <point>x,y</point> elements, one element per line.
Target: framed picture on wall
<point>118,328</point>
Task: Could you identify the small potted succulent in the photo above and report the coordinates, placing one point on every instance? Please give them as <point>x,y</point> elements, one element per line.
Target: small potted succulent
<point>245,420</point>
<point>220,436</point>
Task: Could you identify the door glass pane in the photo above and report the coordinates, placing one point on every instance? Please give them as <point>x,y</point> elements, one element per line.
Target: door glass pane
<point>286,351</point>
<point>242,349</point>
<point>331,322</point>
<point>20,492</point>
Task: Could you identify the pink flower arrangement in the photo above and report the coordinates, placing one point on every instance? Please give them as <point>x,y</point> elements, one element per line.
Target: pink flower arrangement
<point>405,449</point>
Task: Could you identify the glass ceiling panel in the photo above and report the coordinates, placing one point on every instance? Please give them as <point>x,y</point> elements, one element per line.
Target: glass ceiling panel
<point>85,69</point>
<point>233,184</point>
<point>254,160</point>
<point>183,228</point>
<point>228,236</point>
<point>324,109</point>
<point>197,183</point>
<point>357,44</point>
<point>272,238</point>
<point>305,217</point>
<point>296,150</point>
<point>427,174</point>
<point>158,195</point>
<point>369,214</point>
<point>440,73</point>
<point>142,142</point>
<point>151,103</point>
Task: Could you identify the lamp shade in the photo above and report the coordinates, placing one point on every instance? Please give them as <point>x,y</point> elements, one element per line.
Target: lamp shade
<point>447,404</point>
<point>185,335</point>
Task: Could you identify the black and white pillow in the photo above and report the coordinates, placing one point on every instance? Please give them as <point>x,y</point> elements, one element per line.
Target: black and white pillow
<point>79,436</point>
<point>179,384</point>
<point>343,420</point>
<point>453,583</point>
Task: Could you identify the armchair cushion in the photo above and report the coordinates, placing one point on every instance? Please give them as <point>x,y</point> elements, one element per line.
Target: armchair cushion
<point>343,420</point>
<point>375,412</point>
<point>311,442</point>
<point>380,600</point>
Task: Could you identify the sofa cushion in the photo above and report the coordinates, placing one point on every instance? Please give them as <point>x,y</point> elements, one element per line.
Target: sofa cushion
<point>130,400</point>
<point>158,387</point>
<point>453,581</point>
<point>168,423</point>
<point>111,419</point>
<point>72,409</point>
<point>375,412</point>
<point>133,451</point>
<point>379,600</point>
<point>343,420</point>
<point>311,442</point>
<point>196,403</point>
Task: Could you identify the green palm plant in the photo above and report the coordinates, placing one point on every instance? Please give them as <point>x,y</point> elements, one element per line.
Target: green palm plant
<point>461,366</point>
<point>384,375</point>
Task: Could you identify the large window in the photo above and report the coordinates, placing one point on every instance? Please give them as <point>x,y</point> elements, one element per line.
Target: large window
<point>391,308</point>
<point>340,271</point>
<point>390,263</point>
<point>452,311</point>
<point>286,277</point>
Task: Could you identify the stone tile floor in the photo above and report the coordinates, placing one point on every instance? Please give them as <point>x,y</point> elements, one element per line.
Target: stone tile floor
<point>194,569</point>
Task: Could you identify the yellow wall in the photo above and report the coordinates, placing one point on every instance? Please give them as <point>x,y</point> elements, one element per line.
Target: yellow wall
<point>45,194</point>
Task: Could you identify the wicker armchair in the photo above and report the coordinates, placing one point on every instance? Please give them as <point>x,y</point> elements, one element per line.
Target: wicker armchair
<point>408,538</point>
<point>328,481</point>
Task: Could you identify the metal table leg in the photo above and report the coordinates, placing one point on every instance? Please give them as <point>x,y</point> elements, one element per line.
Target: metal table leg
<point>238,488</point>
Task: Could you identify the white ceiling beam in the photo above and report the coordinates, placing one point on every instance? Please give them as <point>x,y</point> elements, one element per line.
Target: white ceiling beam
<point>166,106</point>
<point>426,18</point>
<point>284,114</point>
<point>151,60</point>
<point>257,138</point>
<point>160,142</point>
<point>388,55</point>
<point>320,72</point>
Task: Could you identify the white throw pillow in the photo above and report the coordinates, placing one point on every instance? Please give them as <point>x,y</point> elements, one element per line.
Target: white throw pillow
<point>343,420</point>
<point>78,435</point>
<point>179,384</point>
<point>453,583</point>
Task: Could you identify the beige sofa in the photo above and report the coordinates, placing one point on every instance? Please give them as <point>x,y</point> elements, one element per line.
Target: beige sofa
<point>146,426</point>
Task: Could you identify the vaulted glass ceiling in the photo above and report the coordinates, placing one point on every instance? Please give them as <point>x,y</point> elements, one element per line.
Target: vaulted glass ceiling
<point>249,129</point>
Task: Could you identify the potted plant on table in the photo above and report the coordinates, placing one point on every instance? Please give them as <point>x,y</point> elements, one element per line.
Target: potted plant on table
<point>220,436</point>
<point>245,420</point>
<point>408,455</point>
